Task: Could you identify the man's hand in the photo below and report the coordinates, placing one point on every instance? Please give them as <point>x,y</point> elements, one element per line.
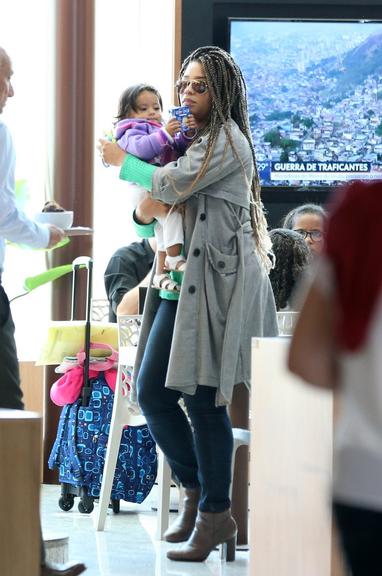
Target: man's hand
<point>111,153</point>
<point>56,235</point>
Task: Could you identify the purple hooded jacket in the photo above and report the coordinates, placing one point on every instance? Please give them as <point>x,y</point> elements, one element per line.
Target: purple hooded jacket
<point>149,141</point>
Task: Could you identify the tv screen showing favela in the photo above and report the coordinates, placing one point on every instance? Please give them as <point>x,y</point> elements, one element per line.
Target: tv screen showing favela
<point>315,98</point>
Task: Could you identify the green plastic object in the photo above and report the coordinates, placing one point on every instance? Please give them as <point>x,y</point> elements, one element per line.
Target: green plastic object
<point>50,275</point>
<point>63,242</point>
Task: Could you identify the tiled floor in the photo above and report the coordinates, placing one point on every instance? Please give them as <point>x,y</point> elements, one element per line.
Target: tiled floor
<point>128,546</point>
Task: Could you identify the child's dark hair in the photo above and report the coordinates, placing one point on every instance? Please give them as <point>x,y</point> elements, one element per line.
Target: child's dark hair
<point>292,257</point>
<point>128,99</point>
<point>291,217</point>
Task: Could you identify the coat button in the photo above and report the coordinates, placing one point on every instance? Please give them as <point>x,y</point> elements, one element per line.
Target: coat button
<point>221,264</point>
<point>200,140</point>
<point>196,252</point>
<point>192,289</point>
<point>202,216</point>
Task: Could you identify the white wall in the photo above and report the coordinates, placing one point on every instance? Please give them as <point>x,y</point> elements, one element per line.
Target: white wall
<point>25,33</point>
<point>134,43</point>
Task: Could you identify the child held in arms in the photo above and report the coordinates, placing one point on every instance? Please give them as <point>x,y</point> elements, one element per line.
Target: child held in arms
<point>140,131</point>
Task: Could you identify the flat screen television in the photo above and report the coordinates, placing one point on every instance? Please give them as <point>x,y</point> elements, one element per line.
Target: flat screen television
<point>314,78</point>
<point>314,96</point>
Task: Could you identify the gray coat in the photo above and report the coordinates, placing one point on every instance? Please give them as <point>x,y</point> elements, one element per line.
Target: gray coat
<point>226,296</point>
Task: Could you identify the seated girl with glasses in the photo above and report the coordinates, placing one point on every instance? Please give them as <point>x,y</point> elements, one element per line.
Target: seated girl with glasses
<point>140,130</point>
<point>308,220</point>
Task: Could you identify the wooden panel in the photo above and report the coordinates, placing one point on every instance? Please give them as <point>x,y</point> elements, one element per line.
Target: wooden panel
<point>73,163</point>
<point>177,45</point>
<point>32,384</point>
<point>291,444</point>
<point>20,453</point>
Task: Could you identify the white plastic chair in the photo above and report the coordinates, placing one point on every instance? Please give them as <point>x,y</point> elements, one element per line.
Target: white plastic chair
<point>128,333</point>
<point>241,437</point>
<point>99,310</point>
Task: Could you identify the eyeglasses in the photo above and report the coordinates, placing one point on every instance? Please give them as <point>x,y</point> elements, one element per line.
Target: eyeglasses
<point>198,86</point>
<point>315,235</point>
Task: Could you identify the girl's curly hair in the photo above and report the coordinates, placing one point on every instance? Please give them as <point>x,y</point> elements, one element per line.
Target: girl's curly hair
<point>292,258</point>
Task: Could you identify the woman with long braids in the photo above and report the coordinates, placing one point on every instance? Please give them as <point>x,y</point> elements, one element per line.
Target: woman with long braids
<point>198,347</point>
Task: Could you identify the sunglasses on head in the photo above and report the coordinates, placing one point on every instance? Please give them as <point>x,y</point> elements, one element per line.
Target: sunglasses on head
<point>198,86</point>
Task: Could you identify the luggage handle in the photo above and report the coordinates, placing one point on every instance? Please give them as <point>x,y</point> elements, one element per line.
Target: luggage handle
<point>84,262</point>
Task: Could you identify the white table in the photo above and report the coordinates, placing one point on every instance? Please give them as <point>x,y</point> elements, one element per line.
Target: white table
<point>290,471</point>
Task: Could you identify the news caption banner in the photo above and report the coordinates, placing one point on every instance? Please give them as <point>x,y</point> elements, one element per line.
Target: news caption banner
<point>335,170</point>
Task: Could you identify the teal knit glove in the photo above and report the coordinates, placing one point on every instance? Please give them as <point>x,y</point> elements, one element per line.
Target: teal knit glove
<point>144,230</point>
<point>137,171</point>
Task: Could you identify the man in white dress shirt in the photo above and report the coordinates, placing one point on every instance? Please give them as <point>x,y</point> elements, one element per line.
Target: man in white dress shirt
<point>17,227</point>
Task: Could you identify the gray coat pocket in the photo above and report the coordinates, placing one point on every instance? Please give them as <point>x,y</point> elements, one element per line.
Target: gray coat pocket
<point>224,264</point>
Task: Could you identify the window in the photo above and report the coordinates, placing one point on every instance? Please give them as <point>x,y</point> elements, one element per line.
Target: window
<point>134,44</point>
<point>27,115</point>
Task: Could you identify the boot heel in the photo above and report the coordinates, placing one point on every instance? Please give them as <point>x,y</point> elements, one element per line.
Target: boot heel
<point>228,550</point>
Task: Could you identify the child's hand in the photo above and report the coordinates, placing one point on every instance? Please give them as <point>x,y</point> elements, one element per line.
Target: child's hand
<point>173,126</point>
<point>108,135</point>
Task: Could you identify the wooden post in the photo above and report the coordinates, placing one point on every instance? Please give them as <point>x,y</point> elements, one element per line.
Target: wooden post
<point>73,164</point>
<point>20,457</point>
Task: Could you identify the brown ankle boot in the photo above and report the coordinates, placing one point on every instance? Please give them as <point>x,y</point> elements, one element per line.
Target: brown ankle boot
<point>211,529</point>
<point>182,528</point>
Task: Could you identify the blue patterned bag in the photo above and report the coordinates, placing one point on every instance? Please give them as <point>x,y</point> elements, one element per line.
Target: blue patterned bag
<point>80,448</point>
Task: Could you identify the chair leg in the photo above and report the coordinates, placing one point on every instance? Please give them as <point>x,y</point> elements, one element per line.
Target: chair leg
<point>241,437</point>
<point>108,473</point>
<point>164,485</point>
<point>181,498</point>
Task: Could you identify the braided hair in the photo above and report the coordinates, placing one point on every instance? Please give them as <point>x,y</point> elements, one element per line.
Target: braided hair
<point>229,100</point>
<point>292,258</point>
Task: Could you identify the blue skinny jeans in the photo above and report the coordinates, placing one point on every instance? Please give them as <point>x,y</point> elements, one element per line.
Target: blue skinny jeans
<point>199,454</point>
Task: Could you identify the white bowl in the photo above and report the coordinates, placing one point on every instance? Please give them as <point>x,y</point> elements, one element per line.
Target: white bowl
<point>63,220</point>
